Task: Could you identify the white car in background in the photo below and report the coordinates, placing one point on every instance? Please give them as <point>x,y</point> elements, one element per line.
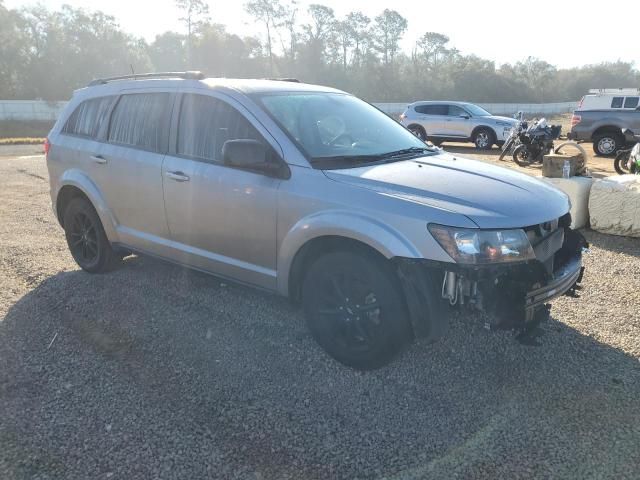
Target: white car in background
<point>456,122</point>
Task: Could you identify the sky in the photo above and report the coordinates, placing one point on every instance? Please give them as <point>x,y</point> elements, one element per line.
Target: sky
<point>564,33</point>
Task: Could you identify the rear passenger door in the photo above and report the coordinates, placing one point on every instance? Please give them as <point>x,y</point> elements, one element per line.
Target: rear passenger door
<point>130,165</point>
<point>432,117</point>
<point>221,219</point>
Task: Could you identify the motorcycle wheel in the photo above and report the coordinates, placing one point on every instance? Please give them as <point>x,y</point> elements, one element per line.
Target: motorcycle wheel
<point>522,156</point>
<point>621,163</point>
<point>506,148</point>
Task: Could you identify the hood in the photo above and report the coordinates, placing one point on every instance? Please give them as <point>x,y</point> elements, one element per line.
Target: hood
<point>490,196</point>
<point>510,121</point>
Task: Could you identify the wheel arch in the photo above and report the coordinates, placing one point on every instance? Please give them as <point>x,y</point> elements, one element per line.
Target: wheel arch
<point>75,184</point>
<point>484,127</point>
<point>312,237</point>
<point>416,125</point>
<point>608,128</point>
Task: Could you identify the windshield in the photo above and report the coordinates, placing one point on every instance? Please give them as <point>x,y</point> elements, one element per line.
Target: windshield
<point>476,111</point>
<point>337,130</point>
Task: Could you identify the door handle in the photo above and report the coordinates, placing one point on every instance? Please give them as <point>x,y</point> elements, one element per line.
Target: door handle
<point>177,176</point>
<point>99,159</point>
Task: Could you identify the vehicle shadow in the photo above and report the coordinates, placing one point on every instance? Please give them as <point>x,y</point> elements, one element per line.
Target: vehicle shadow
<point>156,371</point>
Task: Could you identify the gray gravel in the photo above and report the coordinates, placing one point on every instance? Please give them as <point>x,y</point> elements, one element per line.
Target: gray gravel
<point>158,372</point>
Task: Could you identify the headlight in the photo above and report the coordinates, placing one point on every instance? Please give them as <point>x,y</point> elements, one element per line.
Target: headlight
<point>474,246</point>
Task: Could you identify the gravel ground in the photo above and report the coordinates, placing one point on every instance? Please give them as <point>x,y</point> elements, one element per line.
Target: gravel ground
<point>153,371</point>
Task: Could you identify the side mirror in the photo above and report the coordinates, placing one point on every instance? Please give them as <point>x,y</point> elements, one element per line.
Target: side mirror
<point>465,116</point>
<point>248,154</point>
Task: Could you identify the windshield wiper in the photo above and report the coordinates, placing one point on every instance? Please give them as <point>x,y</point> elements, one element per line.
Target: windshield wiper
<point>405,151</point>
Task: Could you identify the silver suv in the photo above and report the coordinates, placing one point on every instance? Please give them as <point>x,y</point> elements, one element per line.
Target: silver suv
<point>457,122</point>
<point>310,193</point>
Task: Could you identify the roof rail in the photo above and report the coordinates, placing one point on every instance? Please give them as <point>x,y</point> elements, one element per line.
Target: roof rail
<point>293,80</point>
<point>615,91</point>
<point>192,75</point>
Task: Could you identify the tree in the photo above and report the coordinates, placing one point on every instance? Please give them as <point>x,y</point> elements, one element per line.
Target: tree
<point>345,36</point>
<point>196,14</point>
<point>359,26</point>
<point>432,47</point>
<point>389,28</point>
<point>168,52</point>
<point>270,13</point>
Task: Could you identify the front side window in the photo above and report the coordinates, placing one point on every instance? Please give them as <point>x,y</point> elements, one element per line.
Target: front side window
<point>631,102</point>
<point>456,111</point>
<point>141,120</point>
<point>86,119</point>
<point>616,102</point>
<point>339,127</point>
<point>206,123</point>
<point>476,111</point>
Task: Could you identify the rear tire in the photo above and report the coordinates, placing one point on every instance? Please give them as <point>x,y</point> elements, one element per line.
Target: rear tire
<point>607,144</point>
<point>86,239</point>
<point>484,138</point>
<point>355,309</point>
<point>418,131</point>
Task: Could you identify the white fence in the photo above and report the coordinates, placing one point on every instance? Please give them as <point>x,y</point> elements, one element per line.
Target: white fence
<point>29,110</point>
<point>499,108</point>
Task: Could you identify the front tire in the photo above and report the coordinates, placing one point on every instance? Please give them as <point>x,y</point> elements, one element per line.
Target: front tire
<point>522,156</point>
<point>621,162</point>
<point>86,239</point>
<point>355,309</point>
<point>607,144</point>
<point>484,139</point>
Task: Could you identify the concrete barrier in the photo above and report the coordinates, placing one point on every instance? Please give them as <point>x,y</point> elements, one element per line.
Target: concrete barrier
<point>614,205</point>
<point>577,189</point>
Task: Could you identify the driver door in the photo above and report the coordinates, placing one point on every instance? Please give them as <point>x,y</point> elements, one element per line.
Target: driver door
<point>221,219</point>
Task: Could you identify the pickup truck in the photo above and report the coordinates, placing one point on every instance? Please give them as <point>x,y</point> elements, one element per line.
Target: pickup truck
<point>604,128</point>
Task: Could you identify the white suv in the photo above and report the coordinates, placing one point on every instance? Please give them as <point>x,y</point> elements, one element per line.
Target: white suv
<point>456,122</point>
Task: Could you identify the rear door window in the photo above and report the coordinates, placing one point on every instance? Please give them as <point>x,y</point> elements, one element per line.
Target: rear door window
<point>86,119</point>
<point>616,102</point>
<point>141,120</point>
<point>206,123</point>
<point>432,109</point>
<point>631,102</point>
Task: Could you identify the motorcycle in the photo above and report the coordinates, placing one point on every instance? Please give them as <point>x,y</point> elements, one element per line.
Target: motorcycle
<point>514,136</point>
<point>535,142</point>
<point>628,160</point>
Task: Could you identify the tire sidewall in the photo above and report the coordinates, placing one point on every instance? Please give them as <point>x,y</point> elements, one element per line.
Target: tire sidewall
<point>492,138</point>
<point>105,253</point>
<point>394,330</point>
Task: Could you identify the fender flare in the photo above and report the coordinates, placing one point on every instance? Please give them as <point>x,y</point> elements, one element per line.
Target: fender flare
<point>76,178</point>
<point>350,225</point>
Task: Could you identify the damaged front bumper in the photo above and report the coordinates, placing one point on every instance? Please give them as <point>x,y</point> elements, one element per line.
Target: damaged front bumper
<point>511,295</point>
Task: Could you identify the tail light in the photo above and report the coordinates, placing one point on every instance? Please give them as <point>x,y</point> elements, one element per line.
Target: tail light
<point>47,146</point>
<point>402,116</point>
<point>575,119</point>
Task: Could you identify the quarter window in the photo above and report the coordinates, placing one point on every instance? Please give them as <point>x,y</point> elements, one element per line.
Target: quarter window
<point>141,120</point>
<point>86,119</point>
<point>206,123</point>
<point>616,102</point>
<point>631,102</point>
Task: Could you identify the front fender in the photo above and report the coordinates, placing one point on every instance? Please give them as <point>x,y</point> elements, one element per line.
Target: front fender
<point>347,224</point>
<point>81,181</point>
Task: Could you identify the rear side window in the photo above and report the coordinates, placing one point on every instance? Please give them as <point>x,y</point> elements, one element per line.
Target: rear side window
<point>432,109</point>
<point>616,102</point>
<point>141,120</point>
<point>631,102</point>
<point>86,119</point>
<point>206,123</point>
